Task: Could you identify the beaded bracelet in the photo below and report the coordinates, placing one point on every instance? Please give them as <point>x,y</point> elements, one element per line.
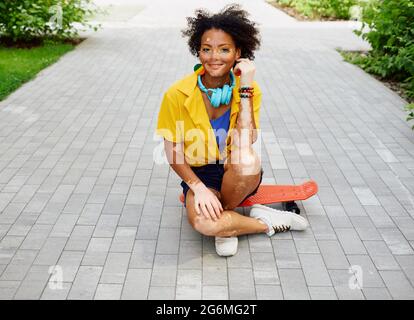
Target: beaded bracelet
<point>246,95</point>
<point>246,89</point>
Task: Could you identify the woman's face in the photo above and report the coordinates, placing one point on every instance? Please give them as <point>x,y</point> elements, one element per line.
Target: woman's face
<point>218,52</point>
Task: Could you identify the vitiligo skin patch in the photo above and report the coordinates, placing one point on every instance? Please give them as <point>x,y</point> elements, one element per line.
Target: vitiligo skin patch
<point>243,158</point>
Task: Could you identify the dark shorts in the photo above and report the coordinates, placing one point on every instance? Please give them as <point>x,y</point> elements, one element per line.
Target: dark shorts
<point>212,176</point>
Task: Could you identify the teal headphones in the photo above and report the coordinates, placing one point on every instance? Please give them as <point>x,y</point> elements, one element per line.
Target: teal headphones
<point>219,95</point>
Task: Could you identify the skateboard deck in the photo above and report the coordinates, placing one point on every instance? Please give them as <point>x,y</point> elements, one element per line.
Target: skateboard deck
<point>272,193</point>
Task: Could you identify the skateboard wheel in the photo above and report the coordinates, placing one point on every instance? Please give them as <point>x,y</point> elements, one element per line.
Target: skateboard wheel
<point>291,206</point>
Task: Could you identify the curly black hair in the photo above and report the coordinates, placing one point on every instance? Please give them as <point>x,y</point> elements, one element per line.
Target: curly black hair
<point>232,20</point>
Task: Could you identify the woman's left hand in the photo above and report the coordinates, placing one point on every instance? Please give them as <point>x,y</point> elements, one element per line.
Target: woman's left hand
<point>247,69</point>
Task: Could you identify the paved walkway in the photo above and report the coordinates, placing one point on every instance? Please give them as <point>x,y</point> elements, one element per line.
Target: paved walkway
<point>79,189</point>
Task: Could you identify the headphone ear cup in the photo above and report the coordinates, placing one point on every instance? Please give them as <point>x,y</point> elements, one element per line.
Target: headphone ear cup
<point>216,97</point>
<point>229,94</point>
<point>225,94</point>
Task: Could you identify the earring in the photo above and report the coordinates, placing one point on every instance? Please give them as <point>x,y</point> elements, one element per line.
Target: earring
<point>197,66</point>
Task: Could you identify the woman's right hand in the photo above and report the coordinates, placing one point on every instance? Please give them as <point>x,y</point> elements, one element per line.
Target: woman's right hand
<point>206,202</point>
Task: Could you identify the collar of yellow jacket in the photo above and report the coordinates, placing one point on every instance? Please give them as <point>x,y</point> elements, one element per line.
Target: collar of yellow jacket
<point>189,87</point>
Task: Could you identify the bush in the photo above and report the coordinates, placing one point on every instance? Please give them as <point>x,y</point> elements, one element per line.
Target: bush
<point>410,109</point>
<point>27,20</point>
<point>338,9</point>
<point>391,35</point>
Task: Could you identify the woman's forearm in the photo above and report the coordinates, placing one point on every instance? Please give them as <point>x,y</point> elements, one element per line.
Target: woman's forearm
<point>246,119</point>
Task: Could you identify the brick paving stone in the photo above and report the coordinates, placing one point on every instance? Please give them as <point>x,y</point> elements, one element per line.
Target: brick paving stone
<point>137,284</point>
<point>321,227</point>
<point>190,255</point>
<point>370,276</point>
<point>407,265</point>
<point>215,293</point>
<point>115,268</point>
<point>341,280</point>
<point>106,226</point>
<point>365,228</point>
<point>264,270</point>
<point>381,255</point>
<point>55,292</point>
<point>97,252</point>
<point>164,271</point>
<point>396,241</point>
<point>406,226</point>
<point>108,291</point>
<point>293,284</point>
<point>51,251</point>
<point>376,294</point>
<point>143,254</point>
<point>314,270</point>
<point>34,283</point>
<point>85,283</point>
<point>259,243</point>
<point>269,292</point>
<point>90,214</point>
<point>161,293</point>
<point>8,289</point>
<point>333,254</point>
<point>350,241</point>
<point>124,239</point>
<point>241,284</point>
<point>69,262</point>
<point>79,239</point>
<point>286,254</point>
<point>243,257</point>
<point>189,284</point>
<point>398,285</point>
<point>322,293</point>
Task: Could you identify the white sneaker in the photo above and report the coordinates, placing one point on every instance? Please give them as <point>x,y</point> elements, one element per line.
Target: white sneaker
<point>226,246</point>
<point>277,220</point>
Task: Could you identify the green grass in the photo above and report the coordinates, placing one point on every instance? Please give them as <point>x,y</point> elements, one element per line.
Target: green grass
<point>18,65</point>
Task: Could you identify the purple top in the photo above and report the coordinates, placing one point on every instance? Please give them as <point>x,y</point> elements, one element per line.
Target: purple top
<point>221,127</point>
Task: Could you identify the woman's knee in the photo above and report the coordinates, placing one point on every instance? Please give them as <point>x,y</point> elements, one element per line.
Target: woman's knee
<point>208,227</point>
<point>205,226</point>
<point>236,188</point>
<point>244,163</point>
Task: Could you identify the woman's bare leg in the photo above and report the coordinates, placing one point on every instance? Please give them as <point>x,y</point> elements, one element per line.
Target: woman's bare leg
<point>242,166</point>
<point>230,224</point>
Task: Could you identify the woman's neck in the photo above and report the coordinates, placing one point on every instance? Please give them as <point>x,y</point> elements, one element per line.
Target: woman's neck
<point>215,82</point>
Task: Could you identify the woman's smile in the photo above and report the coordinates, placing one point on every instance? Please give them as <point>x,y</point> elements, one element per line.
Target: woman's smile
<point>215,66</point>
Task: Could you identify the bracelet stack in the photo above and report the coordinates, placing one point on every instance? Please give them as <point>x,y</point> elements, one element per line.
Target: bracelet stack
<point>246,92</point>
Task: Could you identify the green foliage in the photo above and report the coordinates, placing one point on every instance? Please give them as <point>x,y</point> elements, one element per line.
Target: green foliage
<point>410,109</point>
<point>26,20</point>
<point>391,35</point>
<point>337,9</point>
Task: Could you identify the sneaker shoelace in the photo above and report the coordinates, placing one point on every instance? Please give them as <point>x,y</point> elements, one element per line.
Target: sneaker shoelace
<point>282,228</point>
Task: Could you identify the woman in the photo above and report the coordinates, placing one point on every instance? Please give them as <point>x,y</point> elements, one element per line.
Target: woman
<point>209,121</point>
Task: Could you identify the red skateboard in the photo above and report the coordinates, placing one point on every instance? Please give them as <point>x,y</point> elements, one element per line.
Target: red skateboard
<point>271,193</point>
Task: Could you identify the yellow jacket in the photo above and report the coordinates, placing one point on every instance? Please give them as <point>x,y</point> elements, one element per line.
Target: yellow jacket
<point>183,118</point>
